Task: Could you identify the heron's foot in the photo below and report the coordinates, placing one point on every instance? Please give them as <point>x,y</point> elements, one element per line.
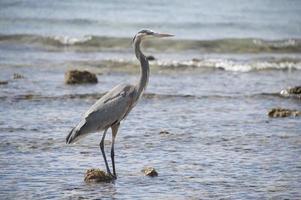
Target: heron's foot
<point>115,176</point>
<point>112,175</point>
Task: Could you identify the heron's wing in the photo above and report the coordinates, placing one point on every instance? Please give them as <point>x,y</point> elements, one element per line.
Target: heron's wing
<point>109,109</point>
<point>118,93</point>
<point>112,107</point>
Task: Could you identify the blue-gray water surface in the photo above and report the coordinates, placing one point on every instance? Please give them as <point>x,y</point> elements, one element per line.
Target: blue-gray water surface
<point>210,90</point>
<point>221,143</point>
<point>202,19</point>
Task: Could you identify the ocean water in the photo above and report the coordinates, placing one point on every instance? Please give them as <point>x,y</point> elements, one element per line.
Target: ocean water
<point>210,88</point>
<point>203,19</point>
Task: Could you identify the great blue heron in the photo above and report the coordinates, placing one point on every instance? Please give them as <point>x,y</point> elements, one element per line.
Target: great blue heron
<point>115,105</point>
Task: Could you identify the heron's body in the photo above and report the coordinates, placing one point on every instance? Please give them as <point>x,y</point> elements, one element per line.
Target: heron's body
<point>108,110</point>
<point>115,105</point>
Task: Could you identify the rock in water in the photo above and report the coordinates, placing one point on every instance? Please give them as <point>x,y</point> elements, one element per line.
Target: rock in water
<point>283,112</point>
<point>292,92</point>
<point>96,176</point>
<point>149,171</point>
<point>295,90</point>
<point>17,76</point>
<point>3,82</point>
<point>79,77</point>
<point>164,132</point>
<point>150,58</point>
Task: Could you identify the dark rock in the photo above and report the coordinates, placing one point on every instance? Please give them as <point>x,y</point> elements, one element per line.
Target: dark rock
<point>195,60</point>
<point>150,58</point>
<point>17,76</point>
<point>28,96</point>
<point>96,176</point>
<point>283,112</point>
<point>149,171</point>
<point>164,133</point>
<point>3,82</point>
<point>292,92</point>
<point>295,90</point>
<point>79,77</point>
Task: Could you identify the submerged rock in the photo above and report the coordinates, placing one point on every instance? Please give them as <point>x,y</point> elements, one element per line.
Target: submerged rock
<point>149,171</point>
<point>79,77</point>
<point>283,112</point>
<point>164,132</point>
<point>17,76</point>
<point>150,58</point>
<point>3,82</point>
<point>196,60</point>
<point>292,92</point>
<point>96,176</point>
<point>295,90</point>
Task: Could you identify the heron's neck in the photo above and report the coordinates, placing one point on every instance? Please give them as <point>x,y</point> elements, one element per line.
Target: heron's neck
<point>144,68</point>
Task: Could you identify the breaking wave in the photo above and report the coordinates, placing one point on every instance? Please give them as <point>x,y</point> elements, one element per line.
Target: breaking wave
<point>233,65</point>
<point>209,64</point>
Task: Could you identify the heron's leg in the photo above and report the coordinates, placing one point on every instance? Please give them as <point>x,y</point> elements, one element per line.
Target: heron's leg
<point>114,133</point>
<point>101,145</point>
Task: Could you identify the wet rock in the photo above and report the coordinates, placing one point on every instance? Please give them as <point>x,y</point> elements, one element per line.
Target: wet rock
<point>96,176</point>
<point>283,112</point>
<point>149,171</point>
<point>80,77</point>
<point>150,58</point>
<point>292,92</point>
<point>164,132</point>
<point>195,60</point>
<point>3,82</point>
<point>295,90</point>
<point>17,76</point>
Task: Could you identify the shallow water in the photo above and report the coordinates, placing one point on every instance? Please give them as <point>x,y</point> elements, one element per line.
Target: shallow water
<point>221,144</point>
<point>210,87</point>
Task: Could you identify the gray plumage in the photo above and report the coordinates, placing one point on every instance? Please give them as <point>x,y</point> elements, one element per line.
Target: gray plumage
<point>109,109</point>
<point>115,105</point>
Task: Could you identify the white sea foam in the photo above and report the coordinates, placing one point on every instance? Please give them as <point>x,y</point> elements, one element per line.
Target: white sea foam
<point>72,40</point>
<point>276,44</point>
<point>230,65</point>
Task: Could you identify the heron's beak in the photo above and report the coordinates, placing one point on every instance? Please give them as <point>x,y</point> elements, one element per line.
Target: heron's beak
<point>163,35</point>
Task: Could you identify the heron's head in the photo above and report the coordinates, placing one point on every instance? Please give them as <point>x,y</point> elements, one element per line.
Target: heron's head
<point>149,34</point>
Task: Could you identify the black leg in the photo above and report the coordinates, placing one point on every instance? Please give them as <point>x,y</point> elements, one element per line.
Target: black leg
<point>114,133</point>
<point>112,158</point>
<point>101,145</point>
